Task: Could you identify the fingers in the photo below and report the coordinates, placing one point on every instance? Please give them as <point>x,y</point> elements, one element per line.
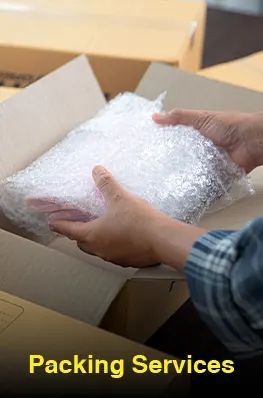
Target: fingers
<point>106,183</point>
<point>71,229</point>
<point>42,205</point>
<point>194,118</point>
<point>70,215</point>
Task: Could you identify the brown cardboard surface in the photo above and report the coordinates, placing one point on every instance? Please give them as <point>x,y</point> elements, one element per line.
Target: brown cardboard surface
<point>245,72</point>
<point>26,328</point>
<point>186,90</point>
<point>241,212</point>
<point>54,105</point>
<point>45,106</point>
<point>6,92</point>
<point>121,38</point>
<point>191,55</point>
<point>127,316</point>
<point>54,280</point>
<point>161,272</point>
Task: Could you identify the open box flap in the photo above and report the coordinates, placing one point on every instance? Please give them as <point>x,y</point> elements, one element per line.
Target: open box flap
<point>244,72</point>
<point>39,116</point>
<point>161,272</point>
<point>34,120</point>
<point>70,248</point>
<point>55,280</point>
<point>187,90</point>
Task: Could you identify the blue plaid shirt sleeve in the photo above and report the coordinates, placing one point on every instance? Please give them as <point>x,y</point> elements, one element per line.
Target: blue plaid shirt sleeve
<point>225,276</point>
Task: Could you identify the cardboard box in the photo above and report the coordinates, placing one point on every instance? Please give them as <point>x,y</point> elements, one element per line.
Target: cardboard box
<point>28,329</point>
<point>6,92</point>
<point>118,299</point>
<point>121,38</point>
<point>68,283</point>
<point>245,72</point>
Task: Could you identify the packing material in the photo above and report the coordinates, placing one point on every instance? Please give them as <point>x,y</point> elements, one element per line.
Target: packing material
<point>174,168</point>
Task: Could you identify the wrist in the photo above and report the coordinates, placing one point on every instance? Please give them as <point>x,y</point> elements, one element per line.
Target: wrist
<point>172,241</point>
<point>254,139</point>
<point>259,138</point>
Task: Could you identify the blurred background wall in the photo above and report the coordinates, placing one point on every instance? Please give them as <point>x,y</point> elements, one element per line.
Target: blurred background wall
<point>250,6</point>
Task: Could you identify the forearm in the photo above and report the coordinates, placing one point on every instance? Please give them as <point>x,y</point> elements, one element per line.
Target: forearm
<point>224,272</point>
<point>173,241</point>
<point>253,138</point>
<point>218,266</point>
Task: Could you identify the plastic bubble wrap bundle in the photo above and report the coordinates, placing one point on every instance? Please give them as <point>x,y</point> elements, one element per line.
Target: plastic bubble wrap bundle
<point>174,168</point>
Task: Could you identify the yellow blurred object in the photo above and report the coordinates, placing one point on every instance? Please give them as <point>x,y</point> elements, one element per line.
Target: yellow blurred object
<point>246,72</point>
<point>6,92</point>
<point>120,38</point>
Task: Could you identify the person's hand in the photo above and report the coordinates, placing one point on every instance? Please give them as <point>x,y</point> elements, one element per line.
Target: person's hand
<point>124,235</point>
<point>240,134</point>
<point>131,233</point>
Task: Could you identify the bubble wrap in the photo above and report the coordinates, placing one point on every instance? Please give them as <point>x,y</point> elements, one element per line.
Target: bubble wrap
<point>174,168</point>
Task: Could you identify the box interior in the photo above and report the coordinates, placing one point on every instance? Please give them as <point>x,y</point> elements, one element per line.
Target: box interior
<point>42,118</point>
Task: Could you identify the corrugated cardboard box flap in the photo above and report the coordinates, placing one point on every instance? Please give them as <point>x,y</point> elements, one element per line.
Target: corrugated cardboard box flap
<point>160,272</point>
<point>40,115</point>
<point>56,281</point>
<point>244,72</point>
<point>187,90</point>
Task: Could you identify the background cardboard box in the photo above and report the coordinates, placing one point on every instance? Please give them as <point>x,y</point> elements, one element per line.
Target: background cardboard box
<point>6,92</point>
<point>121,38</point>
<point>26,328</point>
<point>245,72</point>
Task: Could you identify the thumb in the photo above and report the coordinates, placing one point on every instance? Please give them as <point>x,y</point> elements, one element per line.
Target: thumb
<point>195,118</point>
<point>71,229</point>
<point>106,183</point>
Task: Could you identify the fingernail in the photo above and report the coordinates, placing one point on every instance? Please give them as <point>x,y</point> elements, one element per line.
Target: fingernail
<point>162,116</point>
<point>159,115</point>
<point>98,170</point>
